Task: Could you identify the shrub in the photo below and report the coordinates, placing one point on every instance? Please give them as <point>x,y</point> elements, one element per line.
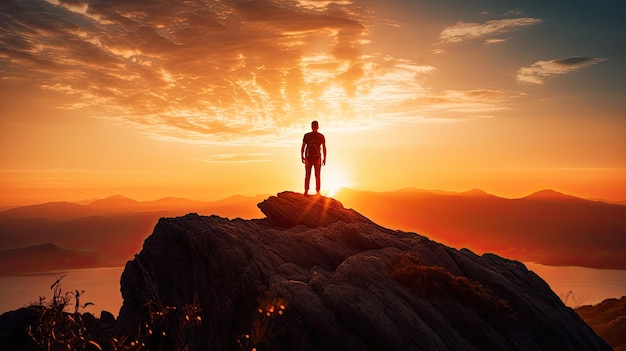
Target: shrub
<point>435,281</point>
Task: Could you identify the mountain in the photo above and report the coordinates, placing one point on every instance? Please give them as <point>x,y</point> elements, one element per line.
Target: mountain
<point>111,230</point>
<point>314,275</point>
<point>546,227</point>
<point>118,204</point>
<point>608,319</point>
<point>44,257</point>
<point>115,203</point>
<point>51,210</point>
<point>552,195</point>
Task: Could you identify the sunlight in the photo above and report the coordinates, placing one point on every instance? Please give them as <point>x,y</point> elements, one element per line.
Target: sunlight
<point>332,181</point>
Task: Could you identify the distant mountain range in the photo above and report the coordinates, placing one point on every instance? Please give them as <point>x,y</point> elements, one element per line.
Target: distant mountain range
<point>32,258</point>
<point>545,227</point>
<point>118,204</point>
<point>104,232</point>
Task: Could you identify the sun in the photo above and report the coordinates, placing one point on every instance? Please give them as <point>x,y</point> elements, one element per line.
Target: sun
<point>333,180</point>
<point>331,190</point>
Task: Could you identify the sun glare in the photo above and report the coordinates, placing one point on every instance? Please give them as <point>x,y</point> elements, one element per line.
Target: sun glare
<point>333,181</point>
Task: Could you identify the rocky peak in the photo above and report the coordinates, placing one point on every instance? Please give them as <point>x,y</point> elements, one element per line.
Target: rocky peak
<point>289,209</point>
<point>316,276</point>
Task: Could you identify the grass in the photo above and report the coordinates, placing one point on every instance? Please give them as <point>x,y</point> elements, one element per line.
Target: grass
<point>572,300</point>
<point>62,324</point>
<point>59,330</point>
<point>162,327</point>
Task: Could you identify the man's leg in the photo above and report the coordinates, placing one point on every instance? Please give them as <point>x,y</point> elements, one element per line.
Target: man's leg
<point>318,179</point>
<point>307,176</point>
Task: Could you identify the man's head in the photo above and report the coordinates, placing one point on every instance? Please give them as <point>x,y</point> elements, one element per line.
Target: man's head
<point>315,126</point>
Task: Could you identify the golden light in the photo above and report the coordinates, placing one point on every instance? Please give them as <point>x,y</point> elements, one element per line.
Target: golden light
<point>333,180</point>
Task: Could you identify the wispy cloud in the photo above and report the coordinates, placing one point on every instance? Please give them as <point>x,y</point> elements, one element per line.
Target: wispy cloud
<point>239,158</point>
<point>464,31</point>
<point>540,70</point>
<point>463,104</point>
<point>212,71</point>
<point>495,41</point>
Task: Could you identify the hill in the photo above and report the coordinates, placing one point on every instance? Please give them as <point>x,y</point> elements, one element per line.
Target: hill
<point>546,227</point>
<point>118,204</point>
<point>109,230</point>
<point>608,319</point>
<point>45,257</point>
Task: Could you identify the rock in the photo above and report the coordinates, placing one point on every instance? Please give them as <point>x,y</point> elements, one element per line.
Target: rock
<point>344,282</point>
<point>107,318</point>
<point>290,209</point>
<point>64,330</point>
<point>14,329</point>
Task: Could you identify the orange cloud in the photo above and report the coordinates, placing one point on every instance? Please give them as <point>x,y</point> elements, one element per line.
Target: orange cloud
<point>540,70</point>
<point>240,158</point>
<point>220,71</point>
<point>463,31</point>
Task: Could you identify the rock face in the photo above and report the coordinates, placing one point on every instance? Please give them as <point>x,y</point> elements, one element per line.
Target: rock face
<point>316,276</point>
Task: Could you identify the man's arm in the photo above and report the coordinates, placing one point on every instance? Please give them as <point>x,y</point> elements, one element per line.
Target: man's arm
<point>324,151</point>
<point>302,152</point>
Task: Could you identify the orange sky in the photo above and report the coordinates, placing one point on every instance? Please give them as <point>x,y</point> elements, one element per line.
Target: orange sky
<point>211,98</point>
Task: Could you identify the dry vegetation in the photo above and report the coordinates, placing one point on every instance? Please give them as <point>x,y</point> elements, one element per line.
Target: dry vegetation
<point>161,328</point>
<point>266,325</point>
<point>608,320</point>
<point>59,330</point>
<point>434,281</point>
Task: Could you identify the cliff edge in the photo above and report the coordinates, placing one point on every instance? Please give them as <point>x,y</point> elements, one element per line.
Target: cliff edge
<point>313,275</point>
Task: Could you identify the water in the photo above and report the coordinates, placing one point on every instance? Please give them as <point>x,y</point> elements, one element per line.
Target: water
<point>102,286</point>
<point>590,286</point>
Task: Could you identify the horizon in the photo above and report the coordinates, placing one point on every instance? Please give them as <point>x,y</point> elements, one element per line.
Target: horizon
<point>208,99</point>
<point>325,192</point>
<point>517,227</point>
<point>591,283</point>
<point>122,220</point>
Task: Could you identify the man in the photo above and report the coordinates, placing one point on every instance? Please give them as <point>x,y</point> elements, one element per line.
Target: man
<point>312,157</point>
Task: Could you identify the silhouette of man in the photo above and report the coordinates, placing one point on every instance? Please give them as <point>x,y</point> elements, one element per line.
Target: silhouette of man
<point>312,157</point>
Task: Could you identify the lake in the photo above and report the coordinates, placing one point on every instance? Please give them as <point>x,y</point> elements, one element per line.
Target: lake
<point>102,286</point>
<point>592,286</point>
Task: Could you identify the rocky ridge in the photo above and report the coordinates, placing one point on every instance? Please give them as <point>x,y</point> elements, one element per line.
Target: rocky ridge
<point>313,275</point>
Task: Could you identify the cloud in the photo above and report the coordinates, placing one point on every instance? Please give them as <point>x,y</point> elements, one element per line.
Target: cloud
<point>317,4</point>
<point>208,71</point>
<point>462,104</point>
<point>540,70</point>
<point>495,41</point>
<point>239,158</point>
<point>463,31</point>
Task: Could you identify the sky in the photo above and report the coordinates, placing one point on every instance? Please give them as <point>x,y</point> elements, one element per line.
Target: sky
<point>207,99</point>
